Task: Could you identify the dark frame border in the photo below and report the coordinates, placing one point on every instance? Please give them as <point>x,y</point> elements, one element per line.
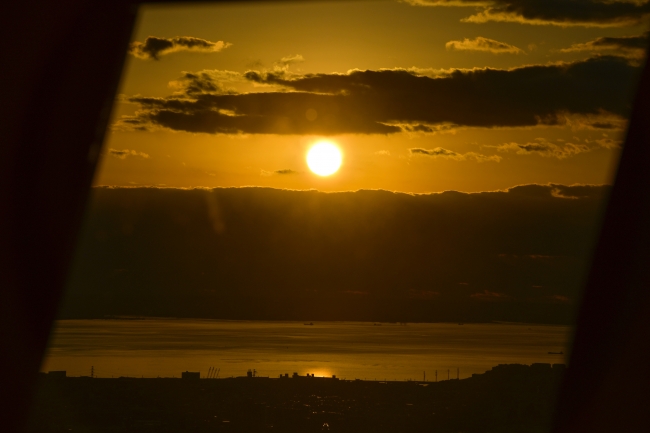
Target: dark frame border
<point>81,45</point>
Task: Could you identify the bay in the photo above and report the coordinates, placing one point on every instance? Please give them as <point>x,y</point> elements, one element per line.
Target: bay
<point>349,350</point>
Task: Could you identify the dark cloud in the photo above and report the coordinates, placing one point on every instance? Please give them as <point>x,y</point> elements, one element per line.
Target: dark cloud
<point>555,12</point>
<point>260,253</point>
<point>195,83</point>
<point>416,128</point>
<point>438,151</point>
<point>593,121</point>
<point>631,46</point>
<point>559,149</point>
<point>154,47</point>
<point>267,77</point>
<point>448,154</point>
<point>390,101</point>
<point>213,82</point>
<point>283,172</point>
<point>543,147</point>
<point>257,113</point>
<point>125,153</point>
<point>483,44</point>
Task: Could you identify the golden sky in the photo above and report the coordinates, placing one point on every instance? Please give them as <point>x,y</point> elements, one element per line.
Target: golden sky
<point>420,95</point>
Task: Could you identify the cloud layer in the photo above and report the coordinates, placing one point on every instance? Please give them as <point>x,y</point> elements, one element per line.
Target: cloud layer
<point>631,46</point>
<point>282,172</point>
<point>545,148</point>
<point>259,253</point>
<point>154,47</point>
<point>483,44</point>
<point>440,152</point>
<point>590,13</point>
<point>396,100</point>
<point>125,153</point>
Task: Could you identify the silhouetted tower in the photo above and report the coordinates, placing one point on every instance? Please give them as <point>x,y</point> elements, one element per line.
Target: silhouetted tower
<point>457,373</point>
<point>436,375</point>
<point>447,374</point>
<point>424,376</point>
<point>92,371</point>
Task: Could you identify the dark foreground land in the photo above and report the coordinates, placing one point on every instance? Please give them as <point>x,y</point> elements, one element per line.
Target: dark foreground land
<point>508,398</point>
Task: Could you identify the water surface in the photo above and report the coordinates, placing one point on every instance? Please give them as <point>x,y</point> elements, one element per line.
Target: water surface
<point>166,347</point>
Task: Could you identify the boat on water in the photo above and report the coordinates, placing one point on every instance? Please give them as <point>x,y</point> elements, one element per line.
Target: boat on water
<point>308,324</point>
<point>556,353</point>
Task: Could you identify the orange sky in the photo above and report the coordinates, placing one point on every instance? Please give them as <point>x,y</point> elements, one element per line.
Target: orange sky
<point>550,111</point>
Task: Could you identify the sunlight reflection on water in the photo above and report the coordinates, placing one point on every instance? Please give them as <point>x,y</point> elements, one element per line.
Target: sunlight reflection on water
<point>166,347</point>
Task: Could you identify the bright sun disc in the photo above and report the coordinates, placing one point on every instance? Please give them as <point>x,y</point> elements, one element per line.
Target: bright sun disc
<point>324,158</point>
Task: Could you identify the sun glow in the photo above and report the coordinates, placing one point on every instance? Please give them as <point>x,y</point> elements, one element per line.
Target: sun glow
<point>324,158</point>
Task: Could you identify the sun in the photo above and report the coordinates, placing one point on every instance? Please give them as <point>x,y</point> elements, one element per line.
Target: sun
<point>324,158</point>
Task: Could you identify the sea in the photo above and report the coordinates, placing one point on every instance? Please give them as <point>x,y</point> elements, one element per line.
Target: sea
<point>350,350</point>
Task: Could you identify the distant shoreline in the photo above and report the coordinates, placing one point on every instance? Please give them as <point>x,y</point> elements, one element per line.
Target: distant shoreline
<point>315,323</point>
<point>193,377</point>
